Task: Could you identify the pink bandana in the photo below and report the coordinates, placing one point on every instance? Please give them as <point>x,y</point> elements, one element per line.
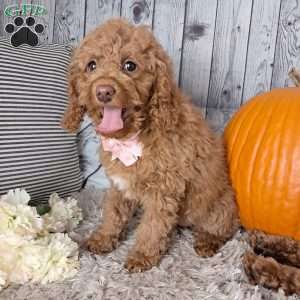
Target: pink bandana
<point>127,151</point>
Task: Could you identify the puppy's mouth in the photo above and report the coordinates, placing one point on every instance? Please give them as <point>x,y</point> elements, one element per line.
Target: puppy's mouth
<point>112,119</point>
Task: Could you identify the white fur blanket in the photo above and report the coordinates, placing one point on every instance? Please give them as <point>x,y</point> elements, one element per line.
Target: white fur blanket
<point>181,275</point>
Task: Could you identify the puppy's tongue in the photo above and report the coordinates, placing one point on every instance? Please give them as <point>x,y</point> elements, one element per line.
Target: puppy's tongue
<point>111,121</point>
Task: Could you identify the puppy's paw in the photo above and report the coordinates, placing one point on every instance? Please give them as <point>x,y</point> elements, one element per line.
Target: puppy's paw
<point>139,262</point>
<point>263,270</point>
<point>100,243</point>
<point>207,248</point>
<point>258,240</point>
<point>249,259</point>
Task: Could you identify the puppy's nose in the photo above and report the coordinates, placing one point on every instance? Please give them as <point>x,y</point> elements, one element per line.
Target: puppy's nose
<point>105,93</point>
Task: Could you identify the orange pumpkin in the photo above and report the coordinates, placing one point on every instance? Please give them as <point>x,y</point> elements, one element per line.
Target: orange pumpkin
<point>263,143</point>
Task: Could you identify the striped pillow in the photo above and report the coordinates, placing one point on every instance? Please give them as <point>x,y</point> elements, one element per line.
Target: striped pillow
<point>35,152</point>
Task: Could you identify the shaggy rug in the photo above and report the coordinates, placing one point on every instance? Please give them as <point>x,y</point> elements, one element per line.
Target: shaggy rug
<point>181,275</point>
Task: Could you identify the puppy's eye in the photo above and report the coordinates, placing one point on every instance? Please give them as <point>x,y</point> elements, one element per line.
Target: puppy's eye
<point>129,66</point>
<point>91,66</point>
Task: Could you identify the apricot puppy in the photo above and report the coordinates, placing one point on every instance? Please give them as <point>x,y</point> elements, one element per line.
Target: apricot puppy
<point>156,148</point>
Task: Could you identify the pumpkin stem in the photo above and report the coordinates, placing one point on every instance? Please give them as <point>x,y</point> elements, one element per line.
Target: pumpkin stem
<point>294,74</point>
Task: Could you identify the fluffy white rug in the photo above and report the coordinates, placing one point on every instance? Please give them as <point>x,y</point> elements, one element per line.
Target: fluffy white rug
<point>181,275</point>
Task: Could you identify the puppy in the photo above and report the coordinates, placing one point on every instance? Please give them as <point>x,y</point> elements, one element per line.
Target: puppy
<point>156,148</point>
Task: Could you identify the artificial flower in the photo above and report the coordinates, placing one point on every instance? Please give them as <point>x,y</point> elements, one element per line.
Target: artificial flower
<point>31,249</point>
<point>16,197</point>
<point>64,215</point>
<point>3,279</point>
<point>19,218</point>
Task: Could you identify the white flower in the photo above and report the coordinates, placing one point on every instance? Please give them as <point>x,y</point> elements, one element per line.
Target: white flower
<point>28,251</point>
<point>15,197</point>
<point>60,259</point>
<point>7,216</point>
<point>3,280</point>
<point>51,258</point>
<point>64,215</point>
<point>10,247</point>
<point>20,219</point>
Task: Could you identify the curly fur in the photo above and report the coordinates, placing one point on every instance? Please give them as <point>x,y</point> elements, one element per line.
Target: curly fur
<point>181,178</point>
<point>275,262</point>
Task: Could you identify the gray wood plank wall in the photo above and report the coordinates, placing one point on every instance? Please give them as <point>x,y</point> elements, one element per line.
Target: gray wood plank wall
<point>224,51</point>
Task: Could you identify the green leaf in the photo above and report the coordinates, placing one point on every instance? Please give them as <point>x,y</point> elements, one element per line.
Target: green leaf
<point>43,209</point>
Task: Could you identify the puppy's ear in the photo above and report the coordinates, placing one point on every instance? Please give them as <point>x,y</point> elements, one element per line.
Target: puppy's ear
<point>164,98</point>
<point>75,111</point>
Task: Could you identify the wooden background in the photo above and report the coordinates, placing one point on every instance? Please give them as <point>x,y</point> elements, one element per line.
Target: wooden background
<point>224,51</point>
